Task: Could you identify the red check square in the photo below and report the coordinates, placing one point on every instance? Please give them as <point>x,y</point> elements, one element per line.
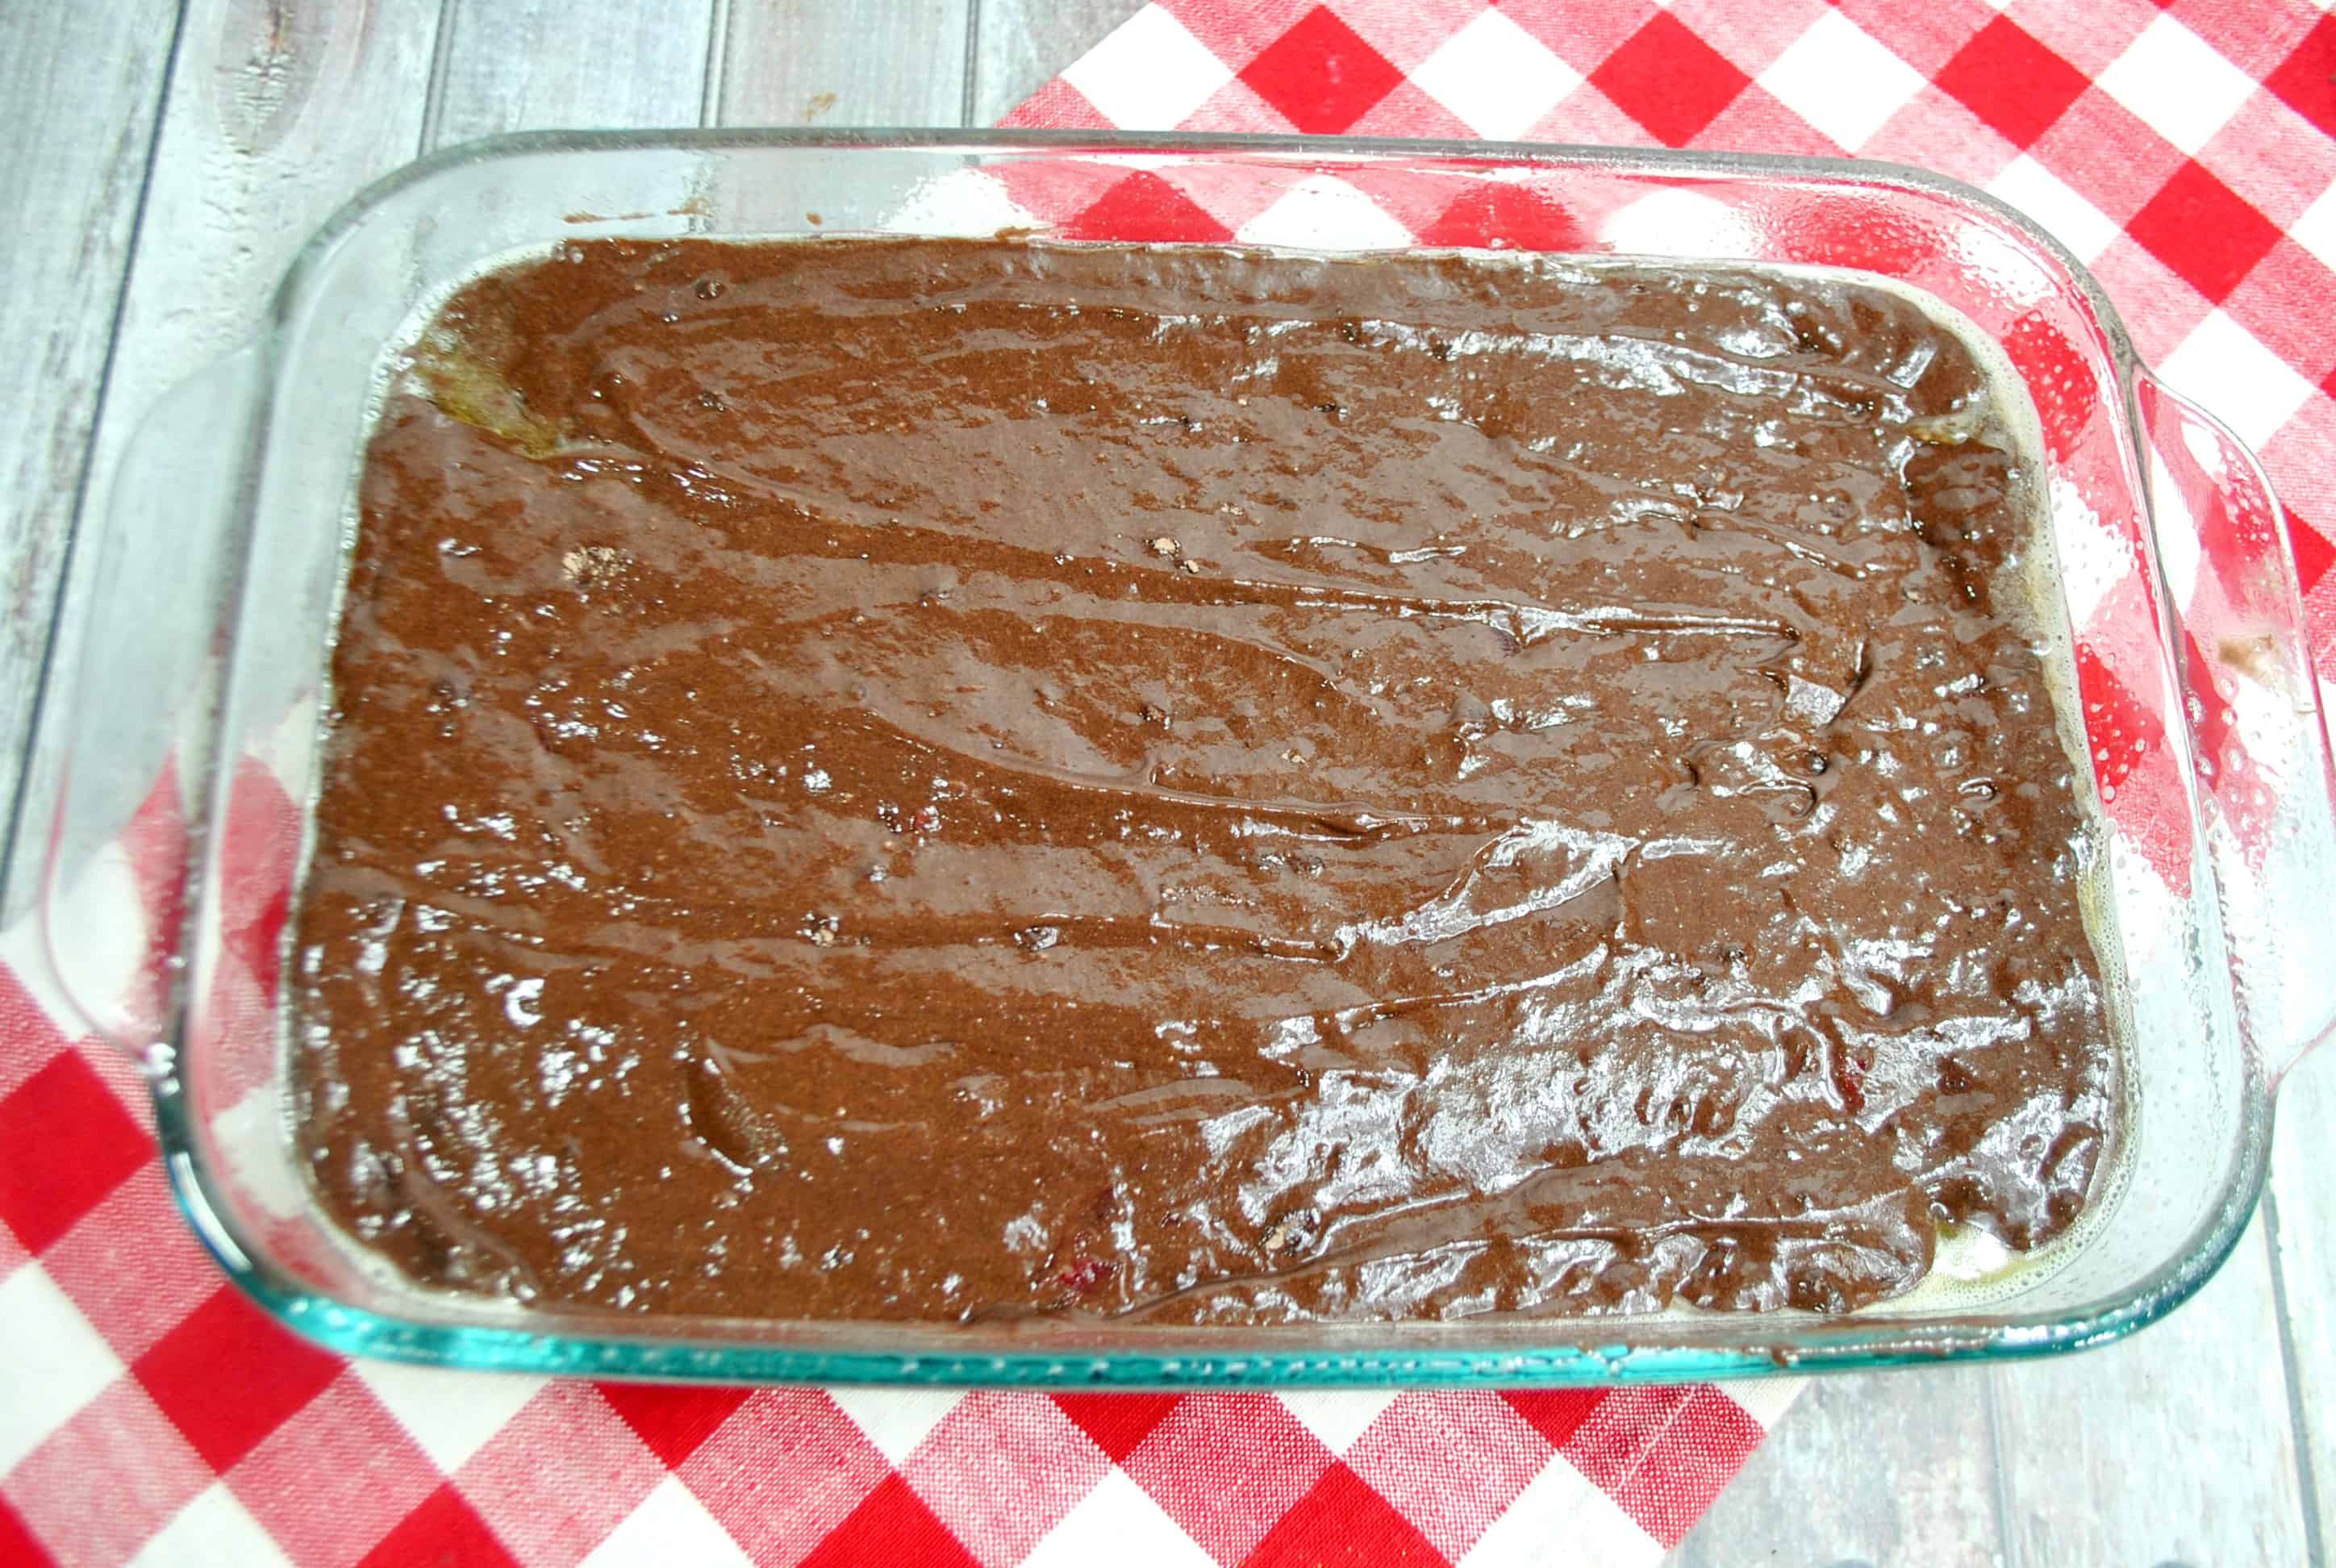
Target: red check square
<point>17,1542</point>
<point>1145,210</point>
<point>1557,1414</point>
<point>892,1524</point>
<point>1669,81</point>
<point>2011,82</point>
<point>2208,234</point>
<point>230,1375</point>
<point>1320,74</point>
<point>2306,79</point>
<point>2315,552</point>
<point>69,1143</point>
<point>443,1530</point>
<point>1341,1521</point>
<point>673,1419</point>
<point>1116,1423</point>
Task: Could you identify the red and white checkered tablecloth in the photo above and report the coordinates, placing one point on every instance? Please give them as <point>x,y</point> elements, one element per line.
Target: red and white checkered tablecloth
<point>2186,152</point>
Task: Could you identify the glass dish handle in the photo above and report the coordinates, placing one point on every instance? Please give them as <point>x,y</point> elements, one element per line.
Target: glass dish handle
<point>2259,744</point>
<point>127,769</point>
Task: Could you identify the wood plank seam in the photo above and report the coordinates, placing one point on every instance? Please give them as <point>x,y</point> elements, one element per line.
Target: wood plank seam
<point>441,61</point>
<point>45,669</point>
<point>2314,1546</point>
<point>717,61</point>
<point>717,64</point>
<point>972,94</point>
<point>1999,1487</point>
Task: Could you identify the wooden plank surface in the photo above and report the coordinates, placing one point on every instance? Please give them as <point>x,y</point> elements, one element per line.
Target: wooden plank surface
<point>547,65</point>
<point>2301,1220</point>
<point>277,116</point>
<point>78,142</point>
<point>2174,1446</point>
<point>878,63</point>
<point>273,118</point>
<point>2182,1445</point>
<point>1878,1467</point>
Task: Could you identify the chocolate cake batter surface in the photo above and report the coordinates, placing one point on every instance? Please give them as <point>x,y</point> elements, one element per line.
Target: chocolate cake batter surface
<point>950,780</point>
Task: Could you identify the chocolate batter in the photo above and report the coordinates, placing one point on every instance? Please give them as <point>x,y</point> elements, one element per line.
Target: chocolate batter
<point>937,780</point>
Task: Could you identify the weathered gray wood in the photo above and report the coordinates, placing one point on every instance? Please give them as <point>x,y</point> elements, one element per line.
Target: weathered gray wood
<point>1884,1467</point>
<point>2303,1216</point>
<point>542,65</point>
<point>277,116</point>
<point>274,117</point>
<point>2175,1446</point>
<point>1026,43</point>
<point>79,86</point>
<point>877,63</point>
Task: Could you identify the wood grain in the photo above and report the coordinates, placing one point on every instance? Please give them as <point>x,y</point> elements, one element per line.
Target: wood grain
<point>543,65</point>
<point>1881,1467</point>
<point>2301,1220</point>
<point>277,116</point>
<point>274,117</point>
<point>1026,43</point>
<point>2174,1445</point>
<point>877,63</point>
<point>78,142</point>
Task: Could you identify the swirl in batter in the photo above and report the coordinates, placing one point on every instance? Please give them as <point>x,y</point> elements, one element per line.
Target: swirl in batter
<point>934,780</point>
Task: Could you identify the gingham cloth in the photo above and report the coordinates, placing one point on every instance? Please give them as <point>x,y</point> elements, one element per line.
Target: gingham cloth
<point>146,1410</point>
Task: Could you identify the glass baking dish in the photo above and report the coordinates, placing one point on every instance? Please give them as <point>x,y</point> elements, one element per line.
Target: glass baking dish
<point>182,739</point>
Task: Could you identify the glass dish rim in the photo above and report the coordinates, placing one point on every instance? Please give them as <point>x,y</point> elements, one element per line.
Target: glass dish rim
<point>1771,1344</point>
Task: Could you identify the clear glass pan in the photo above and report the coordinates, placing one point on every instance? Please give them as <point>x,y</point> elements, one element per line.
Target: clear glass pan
<point>223,545</point>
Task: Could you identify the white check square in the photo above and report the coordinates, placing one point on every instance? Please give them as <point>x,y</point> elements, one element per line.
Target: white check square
<point>1497,78</point>
<point>2316,230</point>
<point>2226,370</point>
<point>1837,77</point>
<point>1150,73</point>
<point>2178,84</point>
<point>52,1362</point>
<point>669,1526</point>
<point>2068,217</point>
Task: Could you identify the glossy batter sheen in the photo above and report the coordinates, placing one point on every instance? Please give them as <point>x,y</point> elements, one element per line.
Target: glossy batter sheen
<point>949,780</point>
